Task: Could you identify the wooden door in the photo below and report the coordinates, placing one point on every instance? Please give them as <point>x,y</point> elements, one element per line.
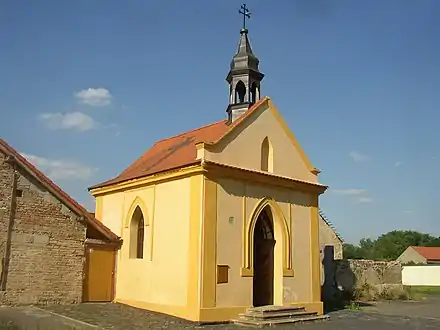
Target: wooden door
<point>263,273</point>
<point>99,281</point>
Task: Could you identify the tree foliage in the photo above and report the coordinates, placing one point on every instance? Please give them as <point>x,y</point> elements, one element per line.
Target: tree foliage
<point>388,246</point>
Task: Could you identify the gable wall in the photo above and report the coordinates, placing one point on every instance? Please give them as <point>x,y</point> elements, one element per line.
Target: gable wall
<point>235,205</point>
<point>411,255</point>
<point>47,244</point>
<point>327,237</point>
<point>244,149</point>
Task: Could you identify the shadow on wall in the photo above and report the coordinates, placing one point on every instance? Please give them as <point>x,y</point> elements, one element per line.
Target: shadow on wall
<point>237,189</point>
<point>336,295</point>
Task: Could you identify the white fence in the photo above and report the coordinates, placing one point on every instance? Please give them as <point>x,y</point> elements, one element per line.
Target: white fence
<point>421,275</point>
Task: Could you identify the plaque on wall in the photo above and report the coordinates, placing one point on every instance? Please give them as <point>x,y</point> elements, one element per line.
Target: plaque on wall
<point>222,274</point>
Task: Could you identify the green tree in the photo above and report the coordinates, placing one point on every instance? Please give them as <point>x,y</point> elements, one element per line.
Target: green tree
<point>352,252</point>
<point>389,246</point>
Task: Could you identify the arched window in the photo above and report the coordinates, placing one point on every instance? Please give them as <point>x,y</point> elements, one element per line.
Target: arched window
<point>240,92</point>
<point>254,93</point>
<point>266,156</point>
<point>140,239</point>
<point>137,234</point>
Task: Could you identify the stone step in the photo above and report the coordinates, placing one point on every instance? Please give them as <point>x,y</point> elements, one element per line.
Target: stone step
<point>273,308</point>
<point>277,314</point>
<point>259,323</point>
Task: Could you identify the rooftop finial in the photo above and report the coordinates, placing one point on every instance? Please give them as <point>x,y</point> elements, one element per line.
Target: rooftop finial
<point>246,14</point>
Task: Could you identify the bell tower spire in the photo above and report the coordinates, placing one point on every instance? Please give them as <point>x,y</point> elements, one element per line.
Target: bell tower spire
<point>244,76</point>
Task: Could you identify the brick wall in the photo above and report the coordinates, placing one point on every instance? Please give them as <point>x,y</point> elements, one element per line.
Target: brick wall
<point>47,244</point>
<point>328,237</point>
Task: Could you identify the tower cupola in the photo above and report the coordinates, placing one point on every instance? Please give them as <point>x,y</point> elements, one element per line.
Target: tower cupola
<point>244,77</point>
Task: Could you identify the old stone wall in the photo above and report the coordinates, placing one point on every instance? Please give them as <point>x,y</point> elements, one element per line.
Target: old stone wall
<point>46,261</point>
<point>351,274</point>
<point>5,202</point>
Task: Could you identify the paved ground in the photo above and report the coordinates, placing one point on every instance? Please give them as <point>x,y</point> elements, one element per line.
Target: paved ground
<point>382,316</point>
<point>33,318</point>
<point>427,308</point>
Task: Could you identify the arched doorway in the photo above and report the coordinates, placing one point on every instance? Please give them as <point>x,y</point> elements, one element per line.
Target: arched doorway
<point>263,260</point>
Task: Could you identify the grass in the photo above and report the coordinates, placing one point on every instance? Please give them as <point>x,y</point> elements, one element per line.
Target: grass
<point>421,292</point>
<point>8,327</point>
<point>354,300</point>
<point>367,292</point>
<point>426,290</point>
<point>354,306</point>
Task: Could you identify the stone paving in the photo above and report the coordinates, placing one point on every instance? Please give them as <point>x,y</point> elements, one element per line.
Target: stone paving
<point>427,308</point>
<point>400,315</point>
<point>34,318</point>
<point>382,316</point>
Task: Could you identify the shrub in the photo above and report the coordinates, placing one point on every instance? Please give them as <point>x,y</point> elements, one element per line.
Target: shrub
<point>365,292</point>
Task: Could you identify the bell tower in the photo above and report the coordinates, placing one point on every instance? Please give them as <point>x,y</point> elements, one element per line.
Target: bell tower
<point>244,77</point>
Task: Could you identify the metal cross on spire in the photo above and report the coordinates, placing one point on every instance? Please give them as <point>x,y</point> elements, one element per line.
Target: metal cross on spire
<point>246,14</point>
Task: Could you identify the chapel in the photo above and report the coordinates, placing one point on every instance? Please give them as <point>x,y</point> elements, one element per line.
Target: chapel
<point>220,218</point>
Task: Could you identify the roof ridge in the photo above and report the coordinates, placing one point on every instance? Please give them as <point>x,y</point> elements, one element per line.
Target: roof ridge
<point>190,131</point>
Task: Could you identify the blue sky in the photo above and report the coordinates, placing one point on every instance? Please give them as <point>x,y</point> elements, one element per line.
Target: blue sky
<point>87,86</point>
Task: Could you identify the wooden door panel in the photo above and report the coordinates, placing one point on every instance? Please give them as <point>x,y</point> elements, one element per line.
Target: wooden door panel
<point>99,275</point>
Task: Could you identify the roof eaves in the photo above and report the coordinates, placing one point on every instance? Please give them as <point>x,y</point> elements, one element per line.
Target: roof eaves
<point>114,181</point>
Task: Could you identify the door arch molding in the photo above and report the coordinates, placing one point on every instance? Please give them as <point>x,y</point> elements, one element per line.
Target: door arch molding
<point>282,235</point>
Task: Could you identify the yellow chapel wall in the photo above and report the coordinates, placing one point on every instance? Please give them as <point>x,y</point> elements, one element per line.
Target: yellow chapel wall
<point>244,150</point>
<point>235,203</point>
<point>160,279</point>
<point>109,209</point>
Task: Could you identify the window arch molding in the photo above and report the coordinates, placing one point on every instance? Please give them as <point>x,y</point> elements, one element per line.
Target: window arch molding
<point>133,233</point>
<point>137,202</point>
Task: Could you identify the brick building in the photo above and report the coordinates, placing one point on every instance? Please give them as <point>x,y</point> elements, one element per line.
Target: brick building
<point>51,249</point>
<point>328,236</point>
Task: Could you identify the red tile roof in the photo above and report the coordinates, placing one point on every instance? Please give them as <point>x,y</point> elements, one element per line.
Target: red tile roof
<point>429,252</point>
<point>178,151</point>
<point>57,191</point>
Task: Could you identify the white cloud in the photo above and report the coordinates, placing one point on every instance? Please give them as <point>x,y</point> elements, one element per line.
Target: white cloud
<point>61,169</point>
<point>397,164</point>
<point>359,157</point>
<point>365,200</point>
<point>355,192</point>
<point>96,97</point>
<point>408,212</point>
<point>73,120</point>
<point>351,191</point>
